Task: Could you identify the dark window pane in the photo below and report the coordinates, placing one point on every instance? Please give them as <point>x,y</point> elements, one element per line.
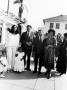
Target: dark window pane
<point>65,26</point>
<point>0,33</point>
<point>57,25</point>
<point>51,25</point>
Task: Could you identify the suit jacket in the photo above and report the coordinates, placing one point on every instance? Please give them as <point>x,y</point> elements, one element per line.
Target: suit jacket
<point>24,39</point>
<point>37,46</point>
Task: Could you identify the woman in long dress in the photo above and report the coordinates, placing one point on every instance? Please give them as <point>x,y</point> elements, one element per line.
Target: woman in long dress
<point>12,43</point>
<point>49,52</point>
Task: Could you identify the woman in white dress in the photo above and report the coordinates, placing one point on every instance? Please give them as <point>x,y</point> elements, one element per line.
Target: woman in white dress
<point>12,43</point>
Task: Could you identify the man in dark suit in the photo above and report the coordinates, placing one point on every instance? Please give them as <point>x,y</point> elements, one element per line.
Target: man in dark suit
<point>26,45</point>
<point>38,51</point>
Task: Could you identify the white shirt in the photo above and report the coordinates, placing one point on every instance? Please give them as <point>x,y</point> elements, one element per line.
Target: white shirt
<point>12,39</point>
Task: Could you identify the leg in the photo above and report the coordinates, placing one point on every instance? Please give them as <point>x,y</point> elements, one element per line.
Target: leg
<point>13,56</point>
<point>48,72</point>
<point>28,59</point>
<point>24,59</point>
<point>40,63</point>
<point>9,57</point>
<point>35,63</point>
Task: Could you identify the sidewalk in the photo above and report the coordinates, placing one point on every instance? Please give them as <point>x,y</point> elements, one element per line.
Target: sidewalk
<point>29,81</point>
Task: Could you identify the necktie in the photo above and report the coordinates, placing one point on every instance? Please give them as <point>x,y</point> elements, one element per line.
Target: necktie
<point>28,34</point>
<point>39,38</point>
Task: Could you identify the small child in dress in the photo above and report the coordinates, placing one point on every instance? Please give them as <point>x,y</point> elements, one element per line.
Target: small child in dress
<point>19,62</point>
<point>3,64</point>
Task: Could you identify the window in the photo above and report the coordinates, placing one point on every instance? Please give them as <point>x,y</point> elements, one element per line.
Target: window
<point>66,26</point>
<point>57,25</point>
<point>0,34</point>
<point>51,25</point>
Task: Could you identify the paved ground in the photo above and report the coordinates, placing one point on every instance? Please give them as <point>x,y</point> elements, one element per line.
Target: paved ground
<point>29,81</point>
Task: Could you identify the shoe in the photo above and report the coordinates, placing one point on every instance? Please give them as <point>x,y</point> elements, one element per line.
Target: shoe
<point>28,69</point>
<point>34,71</point>
<point>11,70</point>
<point>61,74</point>
<point>39,73</point>
<point>45,73</point>
<point>48,76</point>
<point>2,76</point>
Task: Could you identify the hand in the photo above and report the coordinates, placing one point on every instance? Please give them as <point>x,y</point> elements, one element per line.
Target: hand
<point>19,44</point>
<point>29,43</point>
<point>4,65</point>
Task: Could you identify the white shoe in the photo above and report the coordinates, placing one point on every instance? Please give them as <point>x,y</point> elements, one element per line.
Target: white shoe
<point>2,76</point>
<point>64,75</point>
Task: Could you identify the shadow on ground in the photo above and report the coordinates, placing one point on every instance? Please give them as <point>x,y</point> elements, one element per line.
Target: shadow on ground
<point>53,75</point>
<point>27,75</point>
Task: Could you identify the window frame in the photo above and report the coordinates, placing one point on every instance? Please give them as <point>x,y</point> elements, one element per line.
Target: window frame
<point>51,25</point>
<point>57,25</point>
<point>65,26</point>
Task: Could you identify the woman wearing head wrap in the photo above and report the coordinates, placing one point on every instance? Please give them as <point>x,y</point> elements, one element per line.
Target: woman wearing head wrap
<point>49,51</point>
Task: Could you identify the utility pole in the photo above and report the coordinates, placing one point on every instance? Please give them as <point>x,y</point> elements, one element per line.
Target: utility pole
<point>8,6</point>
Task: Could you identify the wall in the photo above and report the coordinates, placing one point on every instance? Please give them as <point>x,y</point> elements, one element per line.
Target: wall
<point>60,30</point>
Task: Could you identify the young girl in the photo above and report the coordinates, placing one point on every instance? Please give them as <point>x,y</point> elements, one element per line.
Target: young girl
<point>19,62</point>
<point>3,64</point>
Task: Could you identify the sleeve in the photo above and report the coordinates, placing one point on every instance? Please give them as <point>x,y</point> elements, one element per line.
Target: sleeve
<point>44,42</point>
<point>22,39</point>
<point>6,39</point>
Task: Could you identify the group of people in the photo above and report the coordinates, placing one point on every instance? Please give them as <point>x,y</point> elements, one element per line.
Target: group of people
<point>45,51</point>
<point>48,51</point>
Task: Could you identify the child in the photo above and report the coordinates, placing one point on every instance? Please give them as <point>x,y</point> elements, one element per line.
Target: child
<point>3,64</point>
<point>19,62</point>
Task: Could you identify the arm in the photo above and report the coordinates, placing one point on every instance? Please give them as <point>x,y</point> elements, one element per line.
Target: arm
<point>22,38</point>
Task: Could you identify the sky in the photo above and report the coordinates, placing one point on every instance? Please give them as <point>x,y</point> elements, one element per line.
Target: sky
<point>37,10</point>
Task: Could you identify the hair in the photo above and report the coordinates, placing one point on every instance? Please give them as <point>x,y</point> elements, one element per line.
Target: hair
<point>36,33</point>
<point>65,35</point>
<point>29,26</point>
<point>12,30</point>
<point>8,29</point>
<point>51,30</point>
<point>19,49</point>
<point>19,29</point>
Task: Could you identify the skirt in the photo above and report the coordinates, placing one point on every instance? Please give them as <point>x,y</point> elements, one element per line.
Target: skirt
<point>48,58</point>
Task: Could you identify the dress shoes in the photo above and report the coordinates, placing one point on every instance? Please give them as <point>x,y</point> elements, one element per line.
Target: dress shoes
<point>28,69</point>
<point>39,73</point>
<point>34,71</point>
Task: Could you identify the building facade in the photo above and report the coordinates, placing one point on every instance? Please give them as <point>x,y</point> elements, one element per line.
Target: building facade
<point>58,23</point>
